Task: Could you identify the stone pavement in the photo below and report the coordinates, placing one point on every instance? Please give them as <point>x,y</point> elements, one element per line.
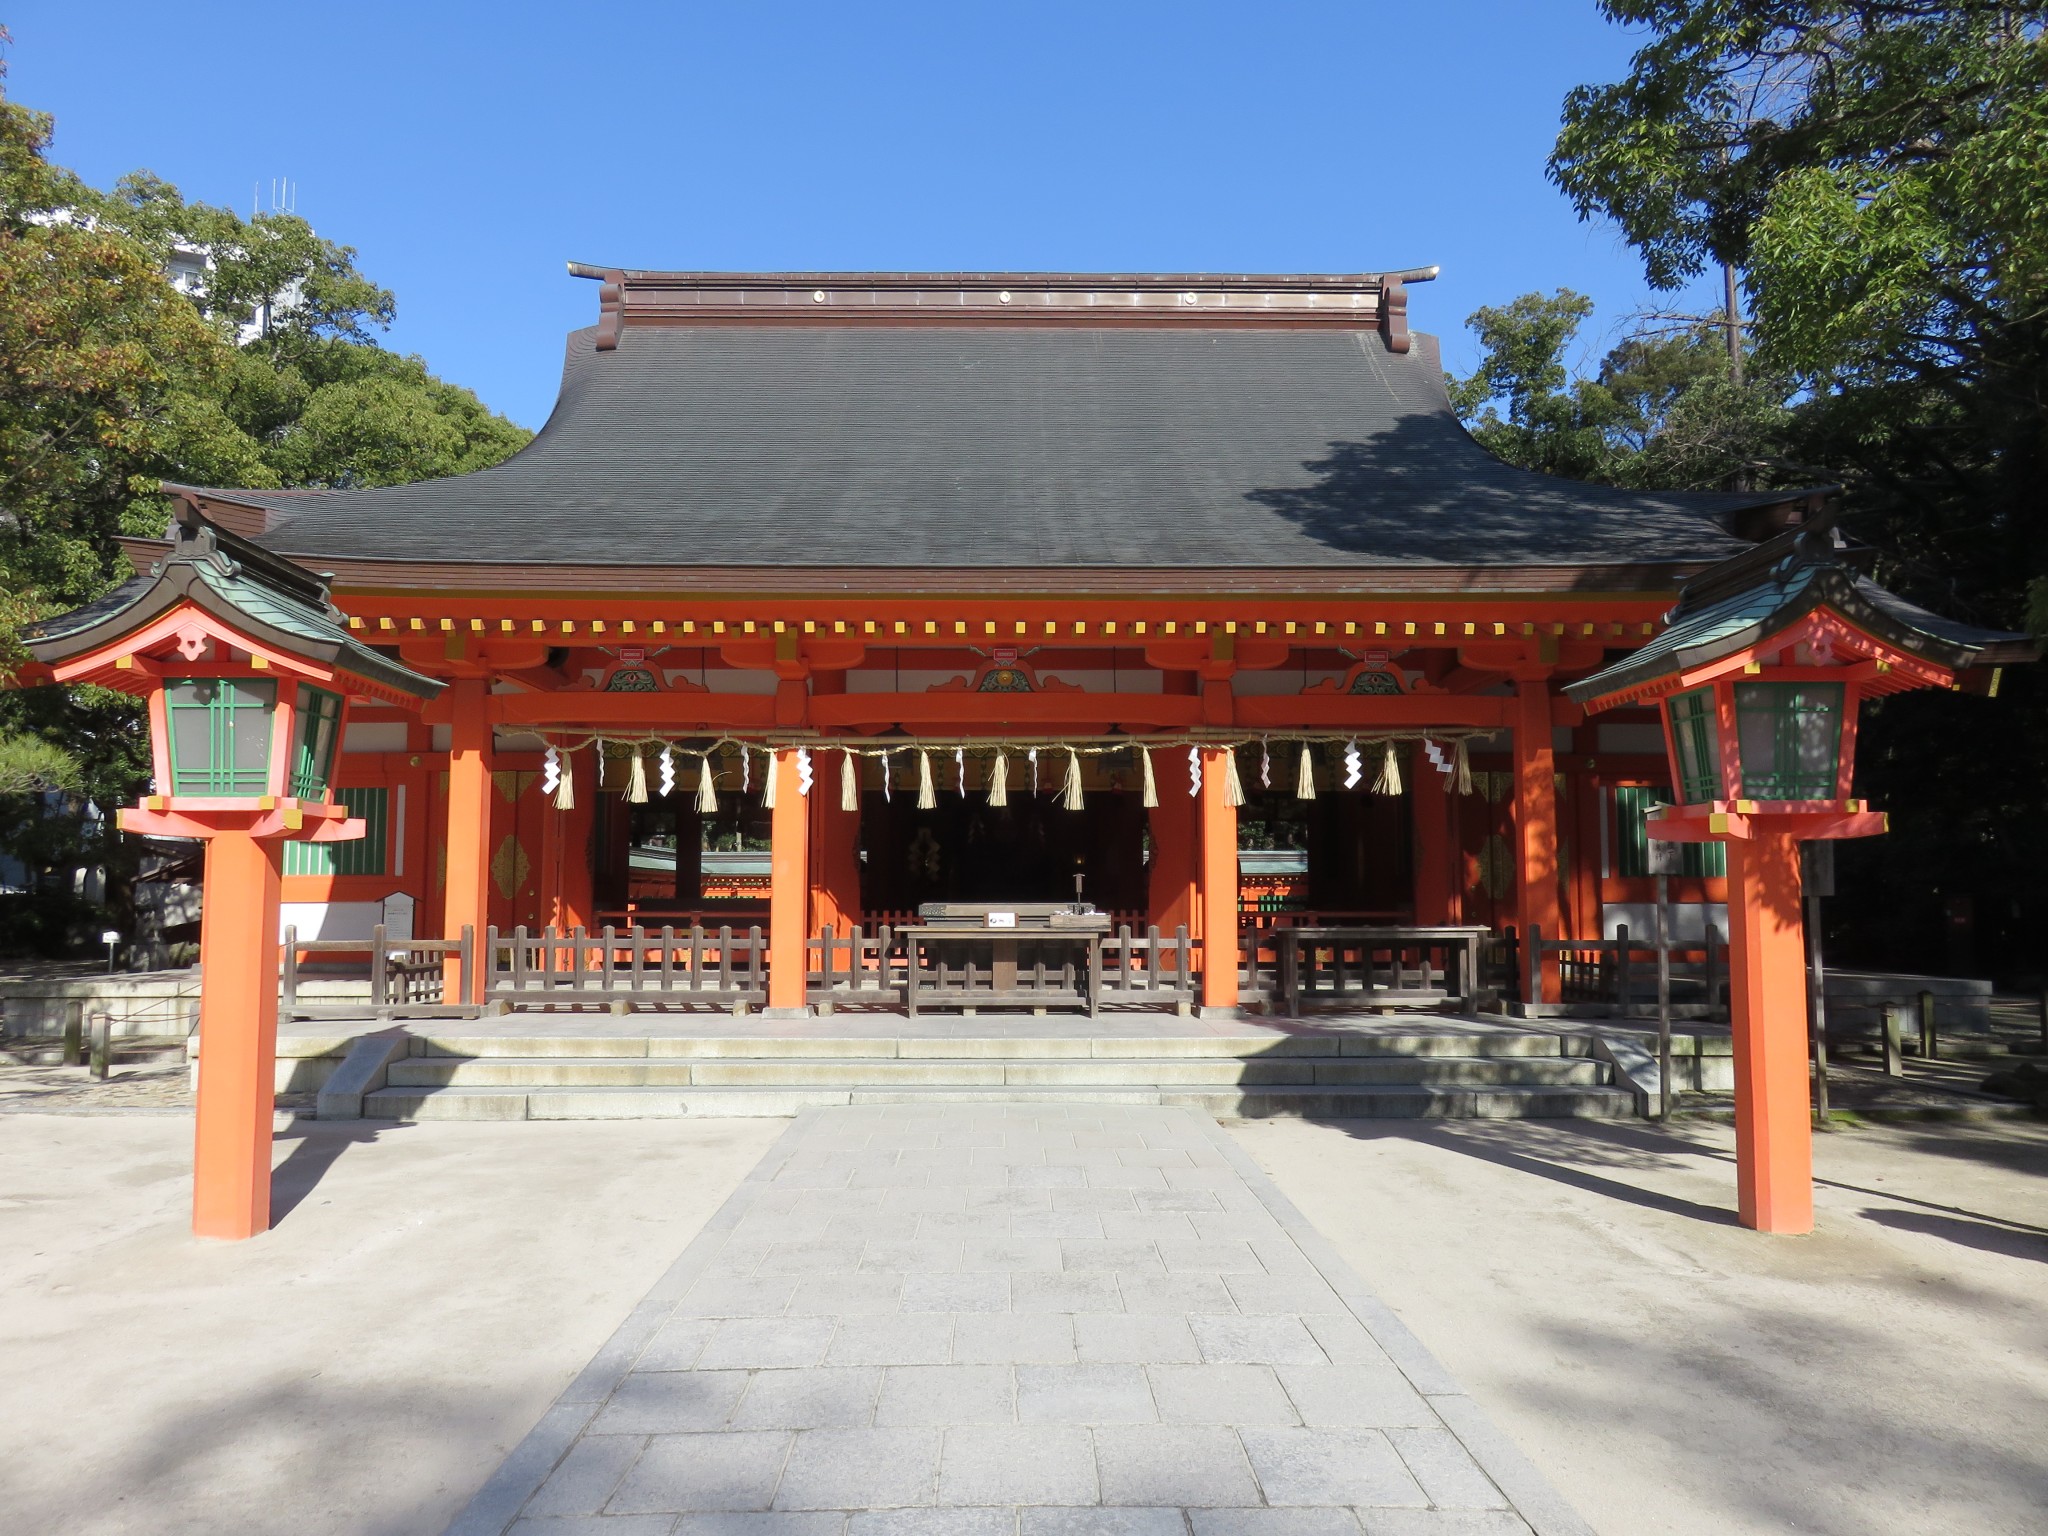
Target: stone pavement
<point>1045,1320</point>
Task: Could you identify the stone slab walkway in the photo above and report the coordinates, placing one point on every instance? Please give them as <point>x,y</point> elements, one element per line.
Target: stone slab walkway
<point>1034,1320</point>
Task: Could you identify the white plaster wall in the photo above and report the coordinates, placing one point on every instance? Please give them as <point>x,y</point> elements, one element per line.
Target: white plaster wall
<point>374,736</point>
<point>1689,920</point>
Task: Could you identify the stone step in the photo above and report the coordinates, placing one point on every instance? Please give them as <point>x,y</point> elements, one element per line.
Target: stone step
<point>431,1041</point>
<point>1386,1102</point>
<point>1298,1071</point>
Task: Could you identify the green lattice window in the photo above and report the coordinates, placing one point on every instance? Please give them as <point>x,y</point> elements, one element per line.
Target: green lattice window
<point>1632,807</point>
<point>220,734</point>
<point>319,729</point>
<point>1695,735</point>
<point>365,856</point>
<point>1791,738</point>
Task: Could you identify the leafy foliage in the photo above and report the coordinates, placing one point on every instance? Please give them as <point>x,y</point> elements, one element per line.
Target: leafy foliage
<point>1878,169</point>
<point>114,380</point>
<point>1660,413</point>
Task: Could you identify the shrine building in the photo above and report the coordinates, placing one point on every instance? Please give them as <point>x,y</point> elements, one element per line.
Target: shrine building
<point>824,597</point>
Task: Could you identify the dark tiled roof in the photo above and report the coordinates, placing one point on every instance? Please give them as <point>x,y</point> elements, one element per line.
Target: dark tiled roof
<point>1069,446</point>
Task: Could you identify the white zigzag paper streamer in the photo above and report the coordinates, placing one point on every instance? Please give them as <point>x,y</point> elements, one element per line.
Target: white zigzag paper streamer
<point>550,769</point>
<point>668,770</point>
<point>803,770</point>
<point>1194,771</point>
<point>1435,753</point>
<point>1353,764</point>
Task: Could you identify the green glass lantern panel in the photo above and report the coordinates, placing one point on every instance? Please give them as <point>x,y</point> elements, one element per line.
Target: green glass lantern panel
<point>220,735</point>
<point>1790,737</point>
<point>1698,743</point>
<point>314,741</point>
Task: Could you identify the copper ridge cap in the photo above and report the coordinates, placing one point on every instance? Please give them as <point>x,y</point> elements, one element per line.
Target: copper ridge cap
<point>1076,281</point>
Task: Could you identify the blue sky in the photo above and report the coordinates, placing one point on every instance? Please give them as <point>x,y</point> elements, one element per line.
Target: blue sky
<point>467,150</point>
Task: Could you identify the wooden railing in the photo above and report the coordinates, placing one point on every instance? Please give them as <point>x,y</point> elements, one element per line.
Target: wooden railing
<point>1155,970</point>
<point>859,968</point>
<point>1618,976</point>
<point>407,976</point>
<point>1364,966</point>
<point>642,967</point>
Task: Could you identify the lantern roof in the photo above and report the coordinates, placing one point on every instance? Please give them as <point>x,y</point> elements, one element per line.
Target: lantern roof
<point>257,596</point>
<point>1737,608</point>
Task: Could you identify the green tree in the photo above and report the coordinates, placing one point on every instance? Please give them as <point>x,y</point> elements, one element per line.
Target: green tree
<point>1878,171</point>
<point>112,381</point>
<point>1660,413</point>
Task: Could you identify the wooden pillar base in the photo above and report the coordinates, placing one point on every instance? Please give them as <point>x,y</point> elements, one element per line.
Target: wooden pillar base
<point>237,1038</point>
<point>1767,1006</point>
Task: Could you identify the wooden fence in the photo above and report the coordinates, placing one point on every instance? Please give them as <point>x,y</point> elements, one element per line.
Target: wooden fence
<point>1618,976</point>
<point>407,976</point>
<point>642,967</point>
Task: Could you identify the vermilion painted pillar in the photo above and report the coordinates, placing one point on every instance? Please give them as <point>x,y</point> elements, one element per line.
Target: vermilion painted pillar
<point>1170,883</point>
<point>789,889</point>
<point>1431,807</point>
<point>1536,819</point>
<point>467,902</point>
<point>1767,1004</point>
<point>237,1037</point>
<point>1218,884</point>
<point>835,842</point>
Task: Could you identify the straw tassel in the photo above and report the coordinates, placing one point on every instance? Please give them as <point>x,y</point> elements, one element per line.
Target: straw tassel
<point>999,779</point>
<point>1389,781</point>
<point>927,792</point>
<point>1461,768</point>
<point>565,792</point>
<point>768,784</point>
<point>1151,784</point>
<point>707,792</point>
<point>1073,794</point>
<point>636,779</point>
<point>849,782</point>
<point>1233,787</point>
<point>1305,774</point>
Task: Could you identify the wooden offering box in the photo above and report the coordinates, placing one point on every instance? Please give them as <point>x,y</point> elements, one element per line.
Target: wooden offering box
<point>970,955</point>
